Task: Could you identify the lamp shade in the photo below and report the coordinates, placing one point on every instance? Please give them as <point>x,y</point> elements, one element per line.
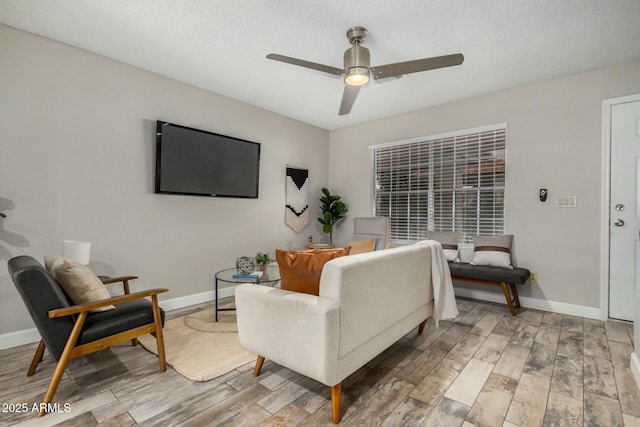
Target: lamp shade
<point>77,251</point>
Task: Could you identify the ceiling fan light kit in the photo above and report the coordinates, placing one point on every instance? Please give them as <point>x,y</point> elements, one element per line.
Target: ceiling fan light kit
<point>356,59</point>
<point>357,68</point>
<point>357,76</point>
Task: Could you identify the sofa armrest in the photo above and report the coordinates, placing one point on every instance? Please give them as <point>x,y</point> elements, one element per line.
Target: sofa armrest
<point>296,330</point>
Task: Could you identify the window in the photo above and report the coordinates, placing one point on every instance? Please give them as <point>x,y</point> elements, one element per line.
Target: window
<point>447,182</point>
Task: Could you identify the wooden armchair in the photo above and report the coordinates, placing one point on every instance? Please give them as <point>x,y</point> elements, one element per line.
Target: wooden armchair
<point>72,331</point>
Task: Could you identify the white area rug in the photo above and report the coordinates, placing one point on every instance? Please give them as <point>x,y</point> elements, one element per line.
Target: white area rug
<point>199,348</point>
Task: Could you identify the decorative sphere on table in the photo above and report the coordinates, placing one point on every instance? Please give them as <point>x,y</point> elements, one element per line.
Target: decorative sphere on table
<point>245,265</point>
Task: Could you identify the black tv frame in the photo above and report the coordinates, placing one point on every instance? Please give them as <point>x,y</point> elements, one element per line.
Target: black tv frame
<point>158,172</point>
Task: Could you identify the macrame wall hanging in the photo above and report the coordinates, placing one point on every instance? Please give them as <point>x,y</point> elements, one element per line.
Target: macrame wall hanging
<point>297,209</point>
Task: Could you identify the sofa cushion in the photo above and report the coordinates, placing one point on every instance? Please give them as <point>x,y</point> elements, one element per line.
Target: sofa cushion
<point>449,242</point>
<point>362,246</point>
<point>492,250</point>
<point>78,281</point>
<point>300,270</point>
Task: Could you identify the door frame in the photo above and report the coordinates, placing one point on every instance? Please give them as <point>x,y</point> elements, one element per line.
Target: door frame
<point>607,106</point>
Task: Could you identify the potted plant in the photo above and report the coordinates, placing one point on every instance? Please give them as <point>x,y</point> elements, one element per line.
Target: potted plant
<point>262,259</point>
<point>333,210</point>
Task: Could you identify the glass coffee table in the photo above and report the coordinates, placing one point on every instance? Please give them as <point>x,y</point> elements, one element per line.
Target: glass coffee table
<point>271,278</point>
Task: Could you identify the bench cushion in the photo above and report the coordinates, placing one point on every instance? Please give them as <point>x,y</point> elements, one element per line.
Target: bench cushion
<point>494,274</point>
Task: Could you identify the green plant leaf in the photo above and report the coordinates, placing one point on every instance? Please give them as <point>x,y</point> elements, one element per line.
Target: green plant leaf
<point>332,208</point>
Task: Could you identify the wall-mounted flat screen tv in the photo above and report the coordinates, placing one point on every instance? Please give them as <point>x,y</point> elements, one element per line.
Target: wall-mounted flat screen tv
<point>196,162</point>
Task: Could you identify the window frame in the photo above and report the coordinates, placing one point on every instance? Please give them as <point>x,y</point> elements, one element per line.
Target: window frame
<point>458,221</point>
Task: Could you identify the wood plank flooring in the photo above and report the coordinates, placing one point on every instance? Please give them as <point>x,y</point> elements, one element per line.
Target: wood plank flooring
<point>484,368</point>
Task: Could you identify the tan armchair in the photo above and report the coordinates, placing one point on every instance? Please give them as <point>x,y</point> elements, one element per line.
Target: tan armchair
<point>372,227</point>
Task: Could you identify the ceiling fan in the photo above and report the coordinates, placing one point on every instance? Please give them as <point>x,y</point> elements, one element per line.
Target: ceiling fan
<point>357,70</point>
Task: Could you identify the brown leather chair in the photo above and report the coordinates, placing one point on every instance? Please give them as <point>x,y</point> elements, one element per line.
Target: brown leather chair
<point>71,331</point>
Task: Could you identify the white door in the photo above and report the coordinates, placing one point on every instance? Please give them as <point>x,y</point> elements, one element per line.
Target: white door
<point>624,243</point>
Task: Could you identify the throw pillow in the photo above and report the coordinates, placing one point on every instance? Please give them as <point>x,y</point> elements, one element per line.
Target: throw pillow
<point>494,251</point>
<point>362,246</point>
<point>300,270</point>
<point>78,281</point>
<point>449,242</point>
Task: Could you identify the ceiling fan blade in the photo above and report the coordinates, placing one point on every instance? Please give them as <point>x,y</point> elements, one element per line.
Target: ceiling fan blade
<point>307,64</point>
<point>348,98</point>
<point>408,67</point>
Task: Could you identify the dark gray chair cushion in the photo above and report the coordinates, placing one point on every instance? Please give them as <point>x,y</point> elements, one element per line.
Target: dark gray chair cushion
<point>518,276</point>
<point>126,316</point>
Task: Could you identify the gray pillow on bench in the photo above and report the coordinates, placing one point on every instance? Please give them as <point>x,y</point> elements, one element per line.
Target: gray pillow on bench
<point>449,242</point>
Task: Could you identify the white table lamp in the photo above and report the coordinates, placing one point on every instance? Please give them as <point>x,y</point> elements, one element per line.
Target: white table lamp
<point>77,251</point>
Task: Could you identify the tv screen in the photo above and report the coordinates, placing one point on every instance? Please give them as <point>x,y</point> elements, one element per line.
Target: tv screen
<point>192,161</point>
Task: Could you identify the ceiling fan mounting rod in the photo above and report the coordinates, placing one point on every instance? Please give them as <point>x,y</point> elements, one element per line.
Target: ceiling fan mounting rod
<point>356,35</point>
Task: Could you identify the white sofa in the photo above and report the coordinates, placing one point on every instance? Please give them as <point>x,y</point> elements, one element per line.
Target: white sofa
<point>366,303</point>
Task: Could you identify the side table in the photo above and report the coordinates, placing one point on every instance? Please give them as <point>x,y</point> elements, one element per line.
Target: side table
<point>270,279</point>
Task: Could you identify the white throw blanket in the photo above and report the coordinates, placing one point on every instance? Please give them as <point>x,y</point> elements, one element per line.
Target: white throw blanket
<point>444,298</point>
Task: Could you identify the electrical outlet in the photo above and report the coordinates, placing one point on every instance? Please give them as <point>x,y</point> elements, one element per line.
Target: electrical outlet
<point>534,276</point>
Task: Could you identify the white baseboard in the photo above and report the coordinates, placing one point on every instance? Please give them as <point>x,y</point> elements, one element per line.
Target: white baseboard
<point>635,367</point>
<point>28,336</point>
<point>15,339</point>
<point>538,304</point>
<point>180,302</point>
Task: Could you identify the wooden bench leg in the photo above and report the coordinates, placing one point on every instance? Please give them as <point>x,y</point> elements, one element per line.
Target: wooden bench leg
<point>514,291</point>
<point>507,296</point>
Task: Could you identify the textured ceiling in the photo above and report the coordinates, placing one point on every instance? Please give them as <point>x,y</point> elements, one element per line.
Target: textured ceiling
<point>221,45</point>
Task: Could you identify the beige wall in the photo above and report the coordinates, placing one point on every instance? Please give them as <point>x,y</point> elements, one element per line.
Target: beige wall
<point>554,141</point>
<point>76,161</point>
<point>77,136</point>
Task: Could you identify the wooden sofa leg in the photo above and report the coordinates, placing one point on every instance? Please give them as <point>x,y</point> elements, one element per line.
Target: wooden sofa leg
<point>37,358</point>
<point>258,367</point>
<point>421,327</point>
<point>507,296</point>
<point>335,403</point>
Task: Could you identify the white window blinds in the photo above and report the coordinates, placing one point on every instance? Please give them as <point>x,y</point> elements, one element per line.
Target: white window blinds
<point>448,182</point>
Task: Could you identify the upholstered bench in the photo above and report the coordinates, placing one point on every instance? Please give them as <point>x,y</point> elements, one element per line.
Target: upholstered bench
<point>496,276</point>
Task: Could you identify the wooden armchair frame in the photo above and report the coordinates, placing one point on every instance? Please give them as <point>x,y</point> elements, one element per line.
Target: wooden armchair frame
<point>71,351</point>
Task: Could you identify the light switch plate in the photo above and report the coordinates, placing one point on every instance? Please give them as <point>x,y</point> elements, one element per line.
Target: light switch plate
<point>567,202</point>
